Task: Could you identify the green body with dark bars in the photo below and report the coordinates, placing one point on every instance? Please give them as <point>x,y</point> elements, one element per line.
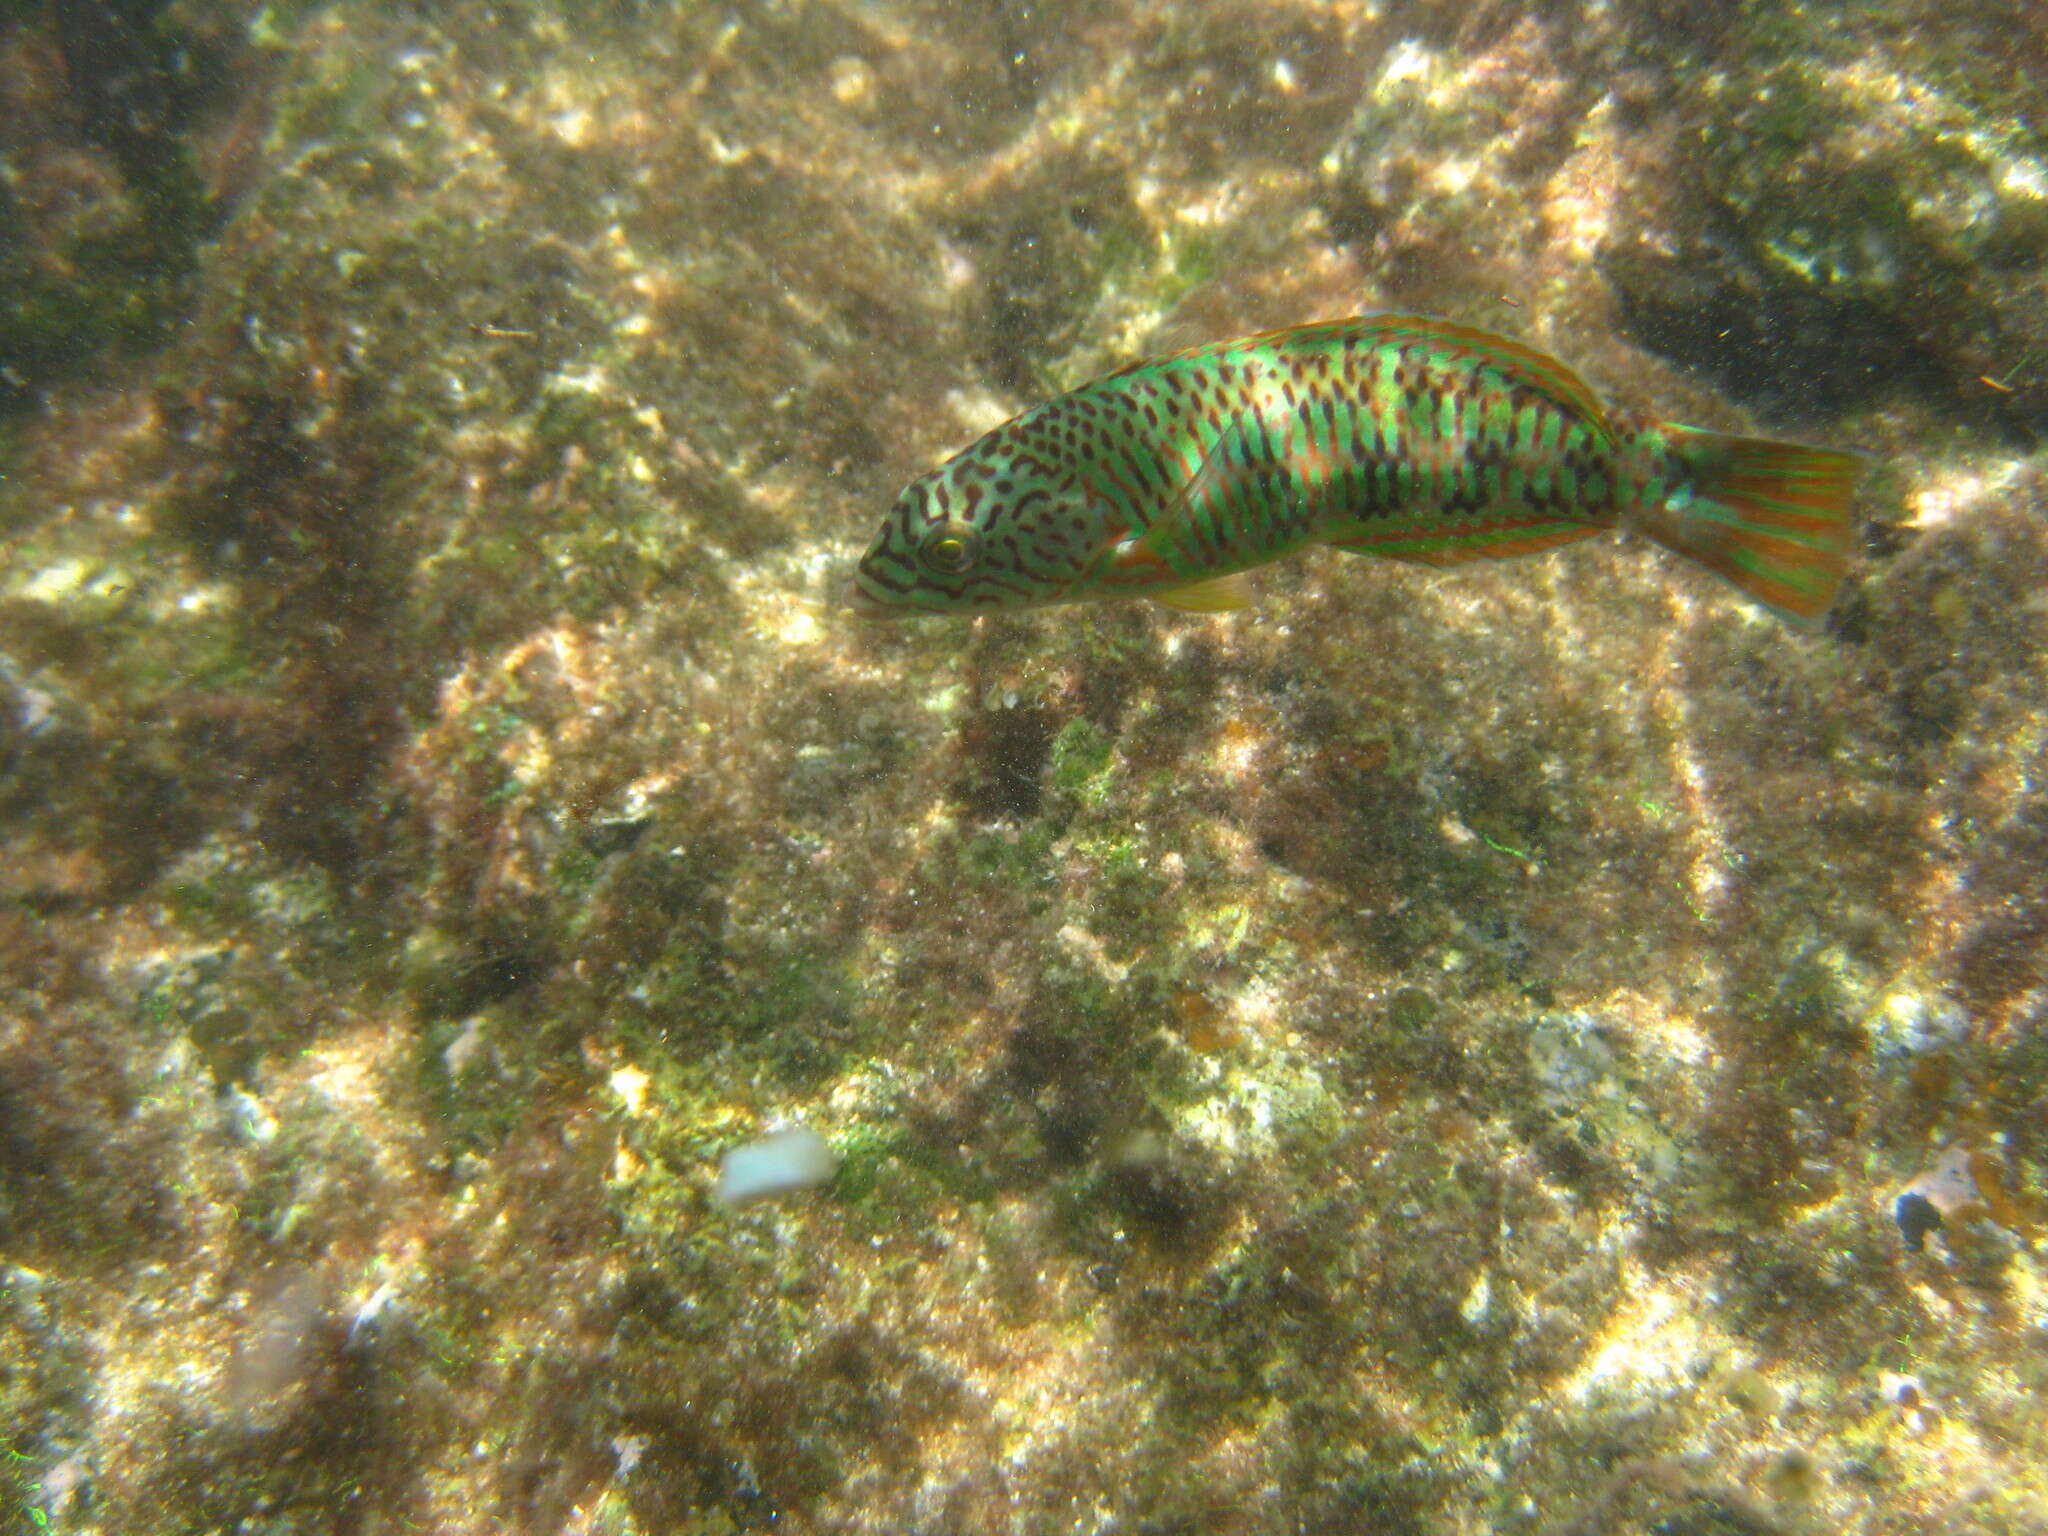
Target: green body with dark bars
<point>1396,435</point>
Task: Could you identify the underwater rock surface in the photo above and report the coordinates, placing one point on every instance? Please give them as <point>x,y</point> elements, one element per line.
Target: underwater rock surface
<point>1440,1052</point>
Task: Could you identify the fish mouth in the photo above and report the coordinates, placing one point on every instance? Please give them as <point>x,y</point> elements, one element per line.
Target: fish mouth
<point>856,599</point>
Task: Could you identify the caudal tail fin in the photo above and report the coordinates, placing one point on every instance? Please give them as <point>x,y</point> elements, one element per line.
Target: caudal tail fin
<point>1771,517</point>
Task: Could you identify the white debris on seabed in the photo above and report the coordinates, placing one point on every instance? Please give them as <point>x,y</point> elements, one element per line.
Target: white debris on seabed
<point>780,1163</point>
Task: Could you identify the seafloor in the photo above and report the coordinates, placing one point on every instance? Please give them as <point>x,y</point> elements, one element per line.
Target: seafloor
<point>1436,1053</point>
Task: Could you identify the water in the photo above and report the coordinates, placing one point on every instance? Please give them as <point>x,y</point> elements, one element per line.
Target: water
<point>1435,1052</point>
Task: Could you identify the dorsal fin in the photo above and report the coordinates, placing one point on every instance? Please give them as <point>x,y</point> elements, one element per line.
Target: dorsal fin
<point>1517,359</point>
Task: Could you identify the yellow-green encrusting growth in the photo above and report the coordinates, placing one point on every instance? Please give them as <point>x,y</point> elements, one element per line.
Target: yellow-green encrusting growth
<point>1394,435</point>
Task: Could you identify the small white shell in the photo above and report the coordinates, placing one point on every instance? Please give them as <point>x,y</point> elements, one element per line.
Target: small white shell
<point>780,1163</point>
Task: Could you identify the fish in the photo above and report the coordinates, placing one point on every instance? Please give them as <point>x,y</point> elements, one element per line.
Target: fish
<point>1400,435</point>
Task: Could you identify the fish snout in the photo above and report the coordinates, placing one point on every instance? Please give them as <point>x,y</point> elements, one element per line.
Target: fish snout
<point>855,598</point>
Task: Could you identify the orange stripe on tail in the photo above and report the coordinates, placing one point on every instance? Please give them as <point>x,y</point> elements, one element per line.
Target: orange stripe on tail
<point>1771,517</point>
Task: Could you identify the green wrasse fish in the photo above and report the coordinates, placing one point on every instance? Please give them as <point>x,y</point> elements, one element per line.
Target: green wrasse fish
<point>1394,435</point>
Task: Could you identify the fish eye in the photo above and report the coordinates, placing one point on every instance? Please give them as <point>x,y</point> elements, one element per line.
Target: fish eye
<point>950,548</point>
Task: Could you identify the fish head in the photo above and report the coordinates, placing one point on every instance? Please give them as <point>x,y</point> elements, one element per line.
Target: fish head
<point>990,529</point>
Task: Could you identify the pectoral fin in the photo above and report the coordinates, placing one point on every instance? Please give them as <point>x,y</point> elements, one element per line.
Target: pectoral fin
<point>1233,470</point>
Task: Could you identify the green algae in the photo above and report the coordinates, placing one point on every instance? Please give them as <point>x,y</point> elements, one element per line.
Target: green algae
<point>108,289</point>
<point>888,1174</point>
<point>1411,1008</point>
<point>40,1394</point>
<point>1020,859</point>
<point>1081,761</point>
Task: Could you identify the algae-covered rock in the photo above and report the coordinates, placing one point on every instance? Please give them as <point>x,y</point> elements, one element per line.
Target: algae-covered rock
<point>1865,208</point>
<point>1438,1051</point>
<point>104,208</point>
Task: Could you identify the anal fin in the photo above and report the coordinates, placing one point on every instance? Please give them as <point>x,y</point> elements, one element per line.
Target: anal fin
<point>1218,594</point>
<point>1501,538</point>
